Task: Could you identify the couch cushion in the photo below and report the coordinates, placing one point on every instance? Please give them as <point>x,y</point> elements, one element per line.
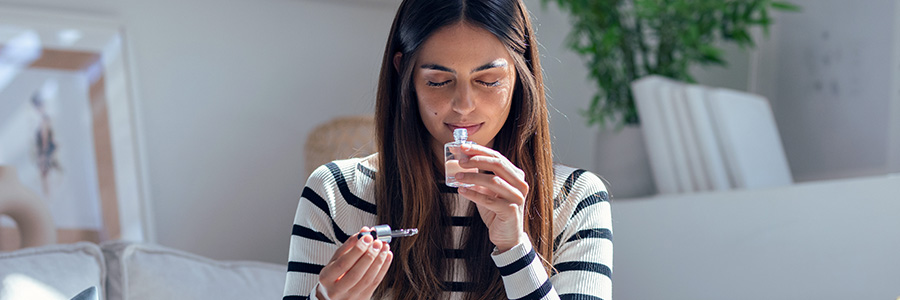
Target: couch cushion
<point>51,272</point>
<point>145,272</point>
<point>90,293</point>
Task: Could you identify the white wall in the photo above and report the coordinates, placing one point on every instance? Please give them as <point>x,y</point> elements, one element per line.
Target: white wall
<point>227,92</point>
<point>568,88</point>
<point>831,74</point>
<point>894,133</point>
<point>833,82</point>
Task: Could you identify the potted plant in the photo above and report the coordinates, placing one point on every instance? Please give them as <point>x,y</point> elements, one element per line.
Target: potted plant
<point>624,40</point>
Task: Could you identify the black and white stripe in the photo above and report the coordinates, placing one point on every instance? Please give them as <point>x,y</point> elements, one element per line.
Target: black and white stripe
<point>567,187</point>
<point>338,200</point>
<point>348,196</point>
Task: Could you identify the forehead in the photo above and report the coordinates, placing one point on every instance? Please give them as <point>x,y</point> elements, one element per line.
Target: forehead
<point>462,44</point>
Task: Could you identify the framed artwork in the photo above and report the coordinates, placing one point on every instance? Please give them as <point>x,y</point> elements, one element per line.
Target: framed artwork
<point>66,124</point>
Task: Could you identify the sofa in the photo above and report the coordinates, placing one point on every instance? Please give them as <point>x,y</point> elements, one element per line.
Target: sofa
<point>122,270</point>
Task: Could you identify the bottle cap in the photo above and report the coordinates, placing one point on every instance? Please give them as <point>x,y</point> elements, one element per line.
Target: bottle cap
<point>460,134</point>
<point>383,233</point>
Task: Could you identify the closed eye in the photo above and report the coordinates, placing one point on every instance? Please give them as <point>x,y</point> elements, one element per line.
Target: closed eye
<point>437,84</point>
<point>490,84</point>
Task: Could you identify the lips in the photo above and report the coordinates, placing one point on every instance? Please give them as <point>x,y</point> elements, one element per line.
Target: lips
<point>470,128</point>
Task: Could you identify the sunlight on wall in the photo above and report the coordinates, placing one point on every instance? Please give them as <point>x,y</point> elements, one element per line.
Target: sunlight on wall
<point>19,51</point>
<point>21,287</point>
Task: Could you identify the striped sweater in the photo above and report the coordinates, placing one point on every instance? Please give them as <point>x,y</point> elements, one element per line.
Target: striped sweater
<point>338,200</point>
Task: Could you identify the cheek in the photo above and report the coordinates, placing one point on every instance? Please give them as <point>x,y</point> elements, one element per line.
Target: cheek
<point>432,102</point>
<point>427,106</point>
<point>505,93</point>
<point>504,98</point>
<point>504,105</point>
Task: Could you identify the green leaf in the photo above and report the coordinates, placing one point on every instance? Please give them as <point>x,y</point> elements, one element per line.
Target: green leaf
<point>710,50</point>
<point>785,6</point>
<point>623,40</point>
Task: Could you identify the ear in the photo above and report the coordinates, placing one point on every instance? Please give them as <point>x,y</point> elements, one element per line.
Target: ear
<point>397,57</point>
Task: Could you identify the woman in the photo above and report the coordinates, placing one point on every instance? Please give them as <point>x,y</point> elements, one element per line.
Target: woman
<point>526,229</point>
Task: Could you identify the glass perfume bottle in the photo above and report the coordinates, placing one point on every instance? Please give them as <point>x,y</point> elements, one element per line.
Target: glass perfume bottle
<point>452,155</point>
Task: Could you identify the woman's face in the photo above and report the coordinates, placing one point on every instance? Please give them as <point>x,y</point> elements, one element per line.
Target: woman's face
<point>464,78</point>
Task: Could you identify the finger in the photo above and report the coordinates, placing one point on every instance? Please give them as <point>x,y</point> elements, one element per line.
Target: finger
<point>351,278</point>
<point>487,159</point>
<point>475,149</point>
<point>492,186</point>
<point>346,261</point>
<point>481,190</point>
<point>485,213</point>
<point>498,206</point>
<point>376,273</point>
<point>348,244</point>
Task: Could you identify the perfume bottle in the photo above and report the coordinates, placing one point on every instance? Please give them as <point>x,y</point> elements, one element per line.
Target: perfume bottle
<point>452,154</point>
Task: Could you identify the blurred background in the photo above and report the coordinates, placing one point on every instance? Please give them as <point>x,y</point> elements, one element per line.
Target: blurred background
<point>227,92</point>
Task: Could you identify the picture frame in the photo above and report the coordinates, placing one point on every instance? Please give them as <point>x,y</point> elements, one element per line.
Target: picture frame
<point>67,124</point>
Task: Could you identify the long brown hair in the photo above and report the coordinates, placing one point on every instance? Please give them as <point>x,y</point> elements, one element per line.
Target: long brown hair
<point>406,184</point>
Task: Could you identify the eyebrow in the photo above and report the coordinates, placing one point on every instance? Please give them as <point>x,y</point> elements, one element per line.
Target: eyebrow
<point>499,63</point>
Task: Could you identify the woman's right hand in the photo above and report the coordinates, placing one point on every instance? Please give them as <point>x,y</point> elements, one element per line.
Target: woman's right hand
<point>356,268</point>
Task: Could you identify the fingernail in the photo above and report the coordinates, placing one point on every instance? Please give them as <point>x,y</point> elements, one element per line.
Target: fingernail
<point>459,175</point>
<point>363,231</point>
<point>377,246</point>
<point>367,239</point>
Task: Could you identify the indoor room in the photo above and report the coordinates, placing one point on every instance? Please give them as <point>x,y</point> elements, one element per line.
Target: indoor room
<point>743,149</point>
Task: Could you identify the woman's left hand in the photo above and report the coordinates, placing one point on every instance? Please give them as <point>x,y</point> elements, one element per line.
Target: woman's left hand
<point>500,197</point>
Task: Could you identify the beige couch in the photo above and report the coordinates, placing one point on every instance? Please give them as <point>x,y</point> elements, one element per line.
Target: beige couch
<point>132,271</point>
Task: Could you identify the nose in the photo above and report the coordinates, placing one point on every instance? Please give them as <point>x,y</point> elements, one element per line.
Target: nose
<point>464,102</point>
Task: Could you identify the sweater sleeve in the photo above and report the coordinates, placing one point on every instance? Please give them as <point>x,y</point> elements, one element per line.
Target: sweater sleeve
<point>524,277</point>
<point>582,251</point>
<point>313,237</point>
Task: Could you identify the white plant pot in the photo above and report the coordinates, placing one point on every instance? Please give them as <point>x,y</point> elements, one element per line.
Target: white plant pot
<point>621,158</point>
